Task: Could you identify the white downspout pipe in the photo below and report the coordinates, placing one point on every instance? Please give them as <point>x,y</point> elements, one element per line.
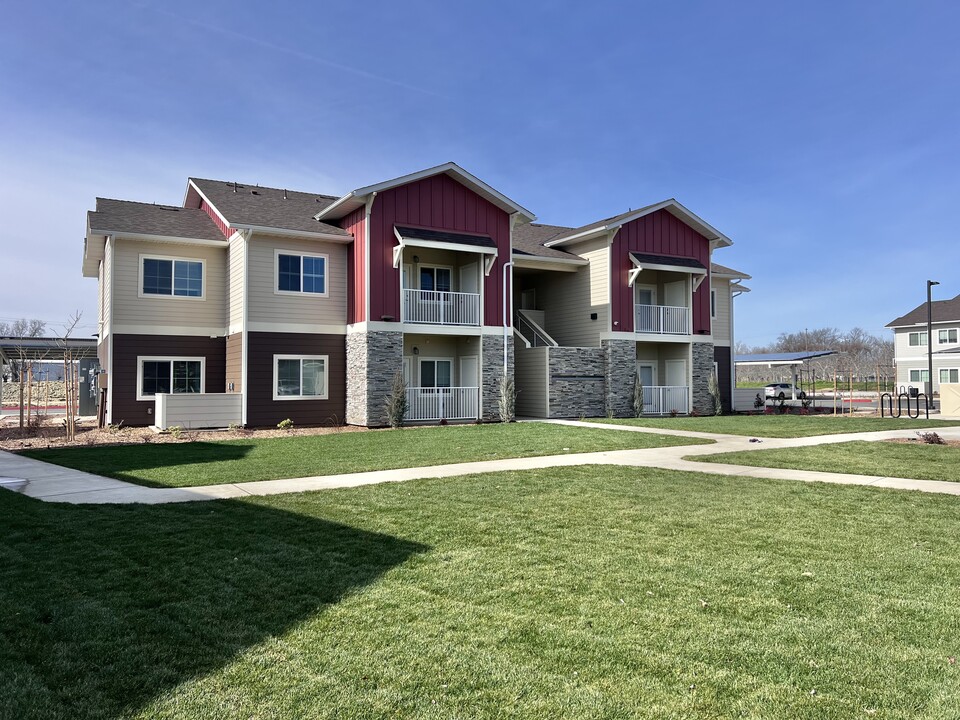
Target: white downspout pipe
<point>507,310</point>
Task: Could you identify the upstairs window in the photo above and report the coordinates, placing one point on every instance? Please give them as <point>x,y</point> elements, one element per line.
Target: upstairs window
<point>301,273</point>
<point>171,276</point>
<point>435,278</point>
<point>918,339</point>
<point>948,337</point>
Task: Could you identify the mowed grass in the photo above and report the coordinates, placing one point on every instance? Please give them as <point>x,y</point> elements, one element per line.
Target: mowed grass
<point>780,426</point>
<point>886,459</point>
<point>212,463</point>
<point>568,593</point>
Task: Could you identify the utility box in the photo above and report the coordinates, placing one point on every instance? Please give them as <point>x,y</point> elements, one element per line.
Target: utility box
<point>88,391</point>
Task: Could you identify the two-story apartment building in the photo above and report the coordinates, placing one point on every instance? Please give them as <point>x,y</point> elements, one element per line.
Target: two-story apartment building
<point>251,304</point>
<point>911,345</point>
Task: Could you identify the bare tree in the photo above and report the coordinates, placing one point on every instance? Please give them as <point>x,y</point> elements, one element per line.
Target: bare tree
<point>69,375</point>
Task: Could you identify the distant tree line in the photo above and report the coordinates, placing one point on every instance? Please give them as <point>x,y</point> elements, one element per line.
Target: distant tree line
<point>19,329</point>
<point>861,356</point>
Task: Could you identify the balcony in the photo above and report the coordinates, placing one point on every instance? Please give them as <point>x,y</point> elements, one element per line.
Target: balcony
<point>438,307</point>
<point>662,320</point>
<point>443,403</point>
<point>665,399</point>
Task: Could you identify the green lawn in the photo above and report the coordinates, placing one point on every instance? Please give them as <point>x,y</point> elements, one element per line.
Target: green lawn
<point>566,593</point>
<point>886,459</point>
<point>779,426</point>
<point>213,463</point>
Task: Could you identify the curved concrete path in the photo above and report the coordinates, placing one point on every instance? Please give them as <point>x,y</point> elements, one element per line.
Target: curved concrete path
<point>53,483</point>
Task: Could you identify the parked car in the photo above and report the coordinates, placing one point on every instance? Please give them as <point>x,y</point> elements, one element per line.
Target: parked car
<point>781,391</point>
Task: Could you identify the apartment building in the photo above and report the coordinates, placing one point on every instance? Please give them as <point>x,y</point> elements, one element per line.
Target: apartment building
<point>911,345</point>
<point>252,305</point>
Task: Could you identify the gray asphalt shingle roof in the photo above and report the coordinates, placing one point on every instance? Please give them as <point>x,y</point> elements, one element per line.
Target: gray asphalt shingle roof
<point>528,239</point>
<point>124,216</point>
<point>941,310</point>
<point>268,207</point>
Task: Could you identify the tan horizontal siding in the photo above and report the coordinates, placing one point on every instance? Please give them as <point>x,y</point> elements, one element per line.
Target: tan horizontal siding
<point>265,305</point>
<point>721,323</point>
<point>235,272</point>
<point>132,310</point>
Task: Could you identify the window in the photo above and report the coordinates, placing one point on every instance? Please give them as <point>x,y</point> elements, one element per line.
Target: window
<point>713,303</point>
<point>918,339</point>
<point>951,375</point>
<point>436,373</point>
<point>919,376</point>
<point>171,276</point>
<point>159,375</point>
<point>435,278</point>
<point>300,377</point>
<point>301,273</point>
<point>948,336</point>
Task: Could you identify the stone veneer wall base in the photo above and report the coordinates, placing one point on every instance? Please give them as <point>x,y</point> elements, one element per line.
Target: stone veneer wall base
<point>702,370</point>
<point>490,371</point>
<point>621,371</point>
<point>373,358</point>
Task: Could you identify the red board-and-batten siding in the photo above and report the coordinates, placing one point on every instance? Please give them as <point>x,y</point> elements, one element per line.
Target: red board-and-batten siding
<point>658,233</point>
<point>435,203</point>
<point>223,227</point>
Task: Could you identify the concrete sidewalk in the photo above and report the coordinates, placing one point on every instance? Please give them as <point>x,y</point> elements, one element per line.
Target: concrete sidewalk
<point>53,483</point>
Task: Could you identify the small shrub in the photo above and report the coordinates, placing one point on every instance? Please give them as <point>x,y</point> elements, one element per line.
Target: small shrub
<point>713,387</point>
<point>694,413</point>
<point>674,413</point>
<point>930,438</point>
<point>115,429</point>
<point>175,431</point>
<point>285,424</point>
<point>637,396</point>
<point>396,402</point>
<point>443,421</point>
<point>507,401</point>
<point>758,402</point>
<point>234,427</point>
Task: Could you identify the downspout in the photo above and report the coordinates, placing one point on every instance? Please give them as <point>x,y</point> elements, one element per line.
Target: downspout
<point>507,310</point>
<point>108,418</point>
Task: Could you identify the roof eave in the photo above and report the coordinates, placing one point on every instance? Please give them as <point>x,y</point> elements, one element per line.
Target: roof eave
<point>353,200</point>
<point>150,237</point>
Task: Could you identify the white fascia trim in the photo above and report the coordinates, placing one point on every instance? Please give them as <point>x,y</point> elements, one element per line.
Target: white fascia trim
<point>283,232</point>
<point>452,168</point>
<point>209,332</point>
<point>302,328</point>
<point>521,260</point>
<point>415,329</point>
<point>717,239</point>
<point>191,184</point>
<point>164,238</point>
<point>438,245</point>
<point>336,205</point>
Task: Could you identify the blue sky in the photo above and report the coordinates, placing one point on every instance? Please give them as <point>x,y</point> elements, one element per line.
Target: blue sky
<point>823,138</point>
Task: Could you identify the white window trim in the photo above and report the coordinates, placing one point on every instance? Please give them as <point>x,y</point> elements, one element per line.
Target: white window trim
<point>948,341</point>
<point>432,266</point>
<point>919,371</point>
<point>919,334</point>
<point>171,296</point>
<point>171,359</point>
<point>421,360</point>
<point>277,252</point>
<point>326,375</point>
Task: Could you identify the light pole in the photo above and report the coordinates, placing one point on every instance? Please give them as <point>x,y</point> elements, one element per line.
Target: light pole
<point>930,284</point>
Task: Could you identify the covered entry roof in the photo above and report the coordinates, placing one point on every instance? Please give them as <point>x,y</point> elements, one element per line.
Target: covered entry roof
<point>15,348</point>
<point>791,358</point>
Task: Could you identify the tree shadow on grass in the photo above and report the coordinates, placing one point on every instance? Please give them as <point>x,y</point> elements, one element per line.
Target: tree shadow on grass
<point>123,461</point>
<point>102,608</point>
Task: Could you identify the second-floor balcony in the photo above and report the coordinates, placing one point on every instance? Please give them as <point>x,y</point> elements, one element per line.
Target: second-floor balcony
<point>662,320</point>
<point>440,307</point>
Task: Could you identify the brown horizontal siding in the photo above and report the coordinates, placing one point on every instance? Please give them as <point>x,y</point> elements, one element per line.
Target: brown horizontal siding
<point>263,410</point>
<point>126,349</point>
<point>721,356</point>
<point>235,362</point>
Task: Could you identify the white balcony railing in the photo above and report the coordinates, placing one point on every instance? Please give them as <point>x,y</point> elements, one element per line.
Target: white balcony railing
<point>438,307</point>
<point>664,399</point>
<point>444,403</point>
<point>662,320</point>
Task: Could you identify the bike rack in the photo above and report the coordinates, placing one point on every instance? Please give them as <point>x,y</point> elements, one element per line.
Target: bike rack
<point>910,408</point>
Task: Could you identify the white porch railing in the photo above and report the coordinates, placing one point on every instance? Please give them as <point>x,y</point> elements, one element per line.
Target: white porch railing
<point>664,399</point>
<point>662,320</point>
<point>443,403</point>
<point>438,307</point>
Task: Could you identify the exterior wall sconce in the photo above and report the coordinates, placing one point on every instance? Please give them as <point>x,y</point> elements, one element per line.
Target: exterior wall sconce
<point>416,258</point>
<point>416,351</point>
